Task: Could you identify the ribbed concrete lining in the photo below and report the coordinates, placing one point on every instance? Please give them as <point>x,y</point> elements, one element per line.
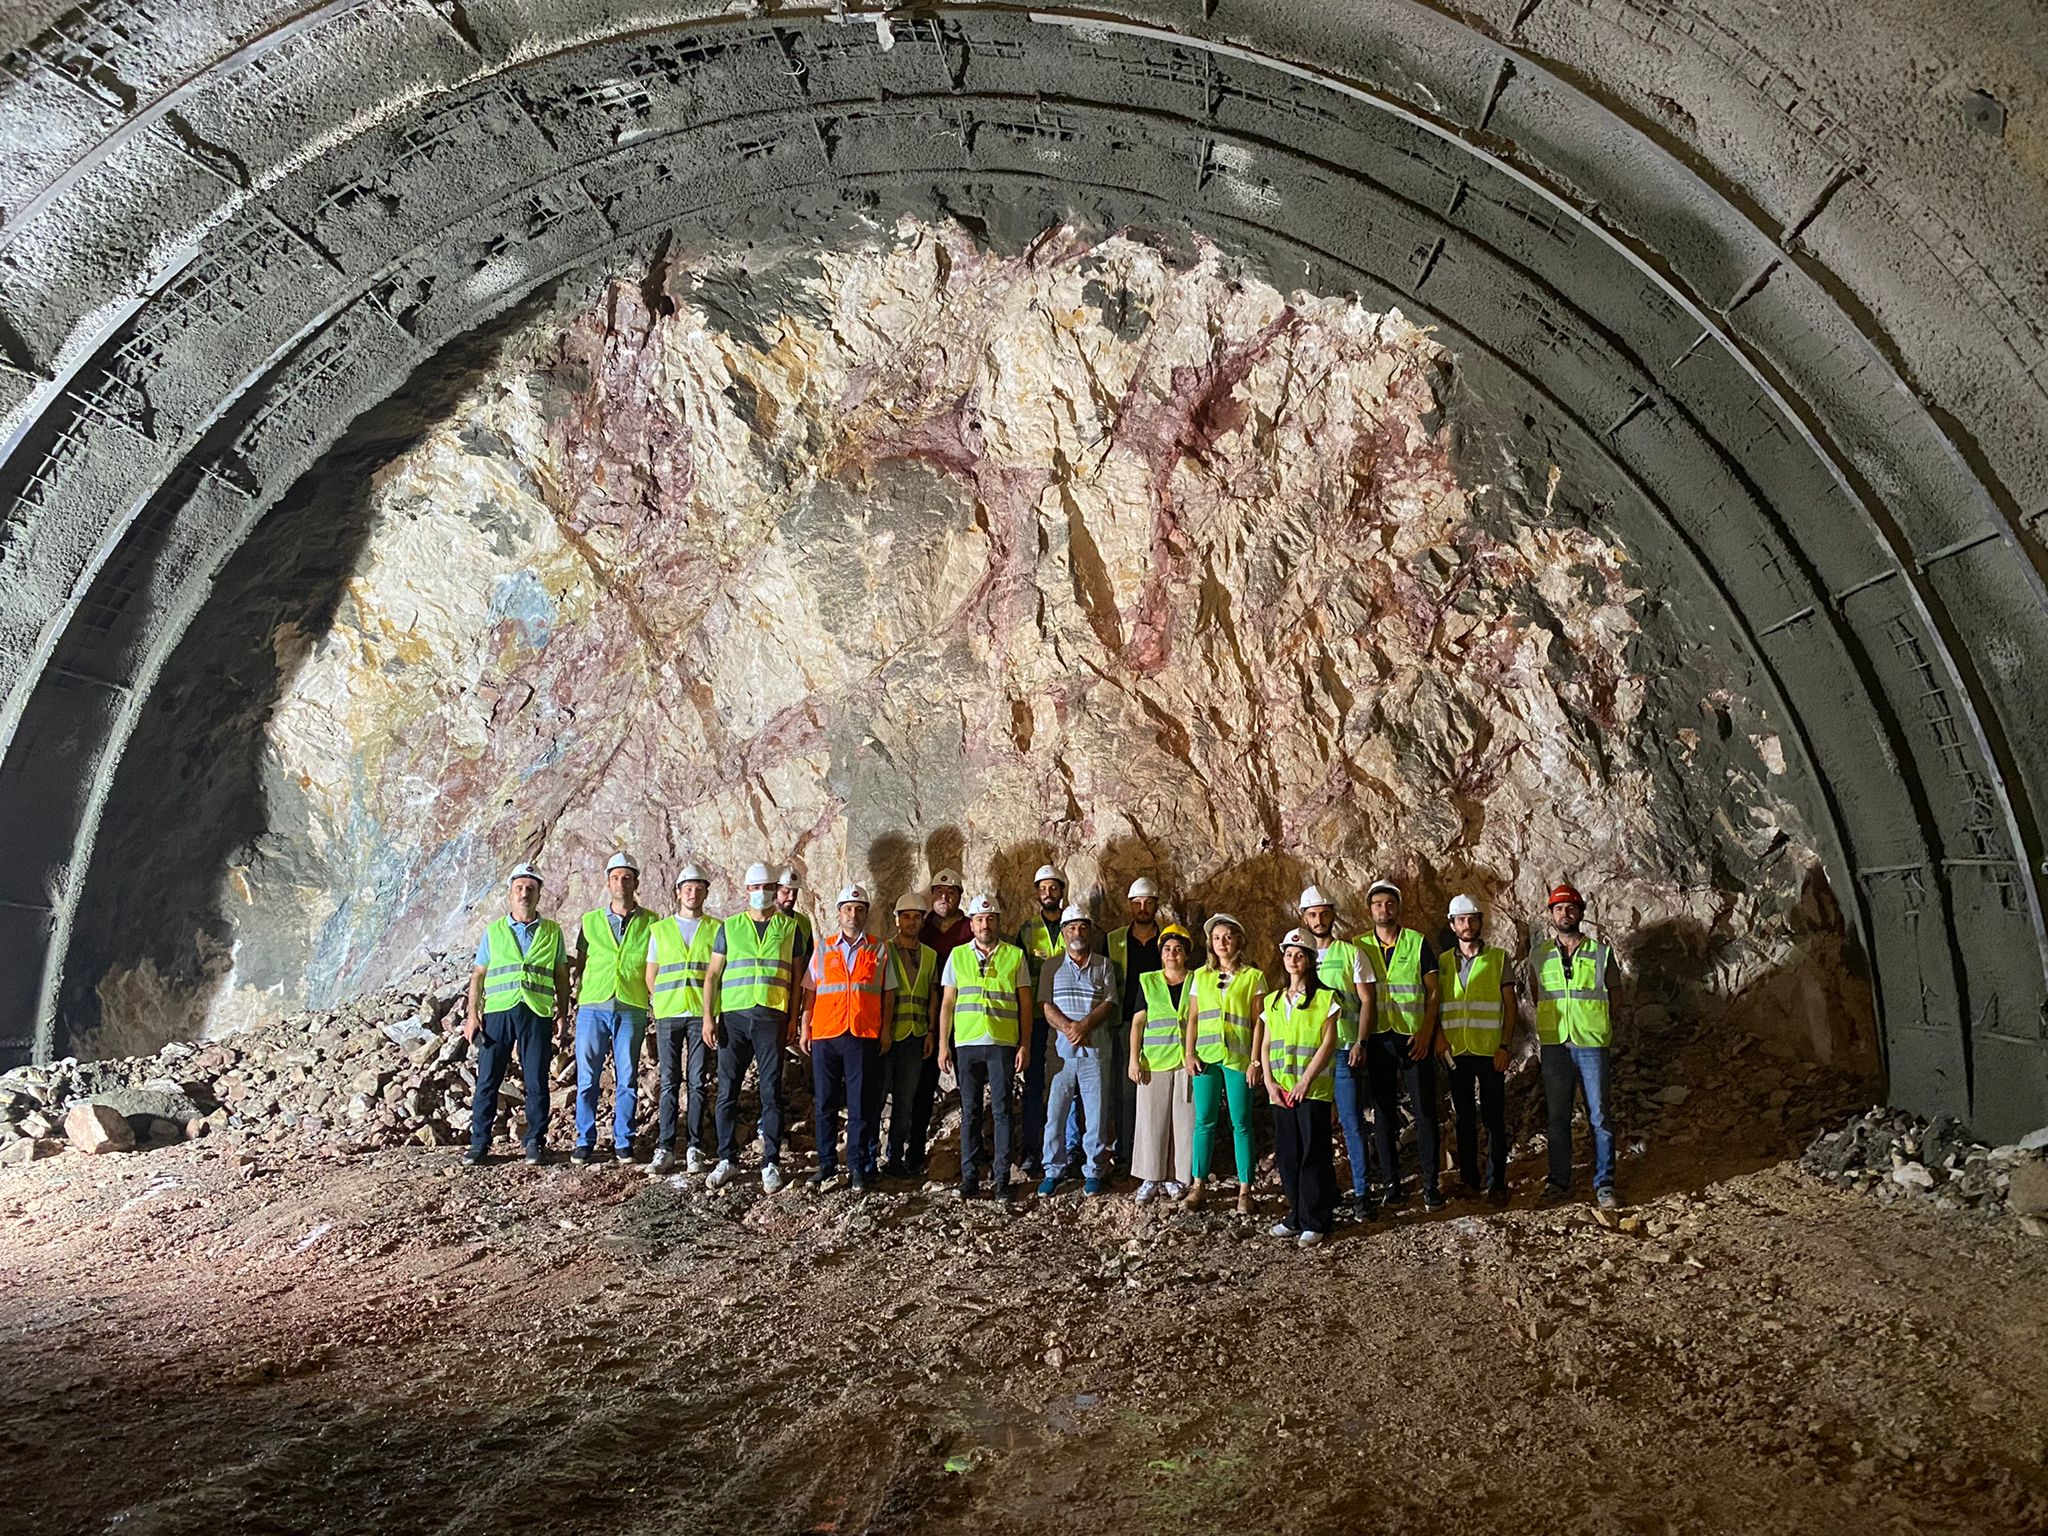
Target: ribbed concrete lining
<point>204,288</point>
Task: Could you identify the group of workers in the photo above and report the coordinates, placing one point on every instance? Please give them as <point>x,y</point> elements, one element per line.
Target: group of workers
<point>1128,1054</point>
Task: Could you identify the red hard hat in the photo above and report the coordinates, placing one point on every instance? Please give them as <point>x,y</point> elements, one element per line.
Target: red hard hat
<point>1565,891</point>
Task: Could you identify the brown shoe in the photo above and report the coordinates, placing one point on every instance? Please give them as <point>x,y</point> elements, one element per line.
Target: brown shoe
<point>1244,1201</point>
<point>1194,1197</point>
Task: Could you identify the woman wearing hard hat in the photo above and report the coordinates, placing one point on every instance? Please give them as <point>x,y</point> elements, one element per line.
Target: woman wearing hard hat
<point>1220,1020</point>
<point>1294,1049</point>
<point>1158,1054</point>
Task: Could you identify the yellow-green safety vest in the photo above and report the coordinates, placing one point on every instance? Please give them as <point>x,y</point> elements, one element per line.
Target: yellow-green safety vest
<point>1471,1009</point>
<point>679,967</point>
<point>512,978</point>
<point>1040,939</point>
<point>913,990</point>
<point>1337,969</point>
<point>760,963</point>
<point>1163,1047</point>
<point>1399,1000</point>
<point>615,968</point>
<point>1223,1015</point>
<point>1571,997</point>
<point>985,995</point>
<point>1294,1033</point>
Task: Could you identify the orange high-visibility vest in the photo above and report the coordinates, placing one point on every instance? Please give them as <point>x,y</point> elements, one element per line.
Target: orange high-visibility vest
<point>849,997</point>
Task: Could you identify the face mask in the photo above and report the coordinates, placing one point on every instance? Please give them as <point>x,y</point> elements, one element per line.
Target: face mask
<point>760,901</point>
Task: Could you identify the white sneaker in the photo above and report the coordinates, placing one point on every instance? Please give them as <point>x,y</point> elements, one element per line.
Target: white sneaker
<point>771,1178</point>
<point>723,1174</point>
<point>1282,1229</point>
<point>1173,1189</point>
<point>1147,1190</point>
<point>693,1161</point>
<point>1310,1239</point>
<point>664,1160</point>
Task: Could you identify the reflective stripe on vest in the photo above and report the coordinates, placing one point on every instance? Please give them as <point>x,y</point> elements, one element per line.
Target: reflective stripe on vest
<point>1571,1001</point>
<point>849,994</point>
<point>1399,996</point>
<point>760,963</point>
<point>1337,969</point>
<point>913,991</point>
<point>1470,1010</point>
<point>1163,1046</point>
<point>679,967</point>
<point>513,978</point>
<point>1223,1016</point>
<point>615,968</point>
<point>1294,1033</point>
<point>985,995</point>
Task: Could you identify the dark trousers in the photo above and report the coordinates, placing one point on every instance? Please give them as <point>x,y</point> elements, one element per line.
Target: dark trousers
<point>1031,1129</point>
<point>753,1037</point>
<point>1474,1078</point>
<point>985,1072</point>
<point>913,1086</point>
<point>688,1067</point>
<point>1308,1164</point>
<point>518,1029</point>
<point>843,1071</point>
<point>1391,1072</point>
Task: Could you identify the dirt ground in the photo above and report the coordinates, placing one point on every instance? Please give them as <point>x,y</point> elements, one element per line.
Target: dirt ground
<point>392,1342</point>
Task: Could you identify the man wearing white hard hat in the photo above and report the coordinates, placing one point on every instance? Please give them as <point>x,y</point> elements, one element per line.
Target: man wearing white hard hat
<point>910,1076</point>
<point>678,960</point>
<point>1077,994</point>
<point>787,885</point>
<point>1401,1053</point>
<point>748,991</point>
<point>1039,938</point>
<point>518,999</point>
<point>847,1032</point>
<point>1133,955</point>
<point>983,1009</point>
<point>1341,968</point>
<point>610,966</point>
<point>1479,1007</point>
<point>945,927</point>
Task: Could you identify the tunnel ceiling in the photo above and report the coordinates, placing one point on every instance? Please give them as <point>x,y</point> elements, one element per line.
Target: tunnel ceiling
<point>1772,284</point>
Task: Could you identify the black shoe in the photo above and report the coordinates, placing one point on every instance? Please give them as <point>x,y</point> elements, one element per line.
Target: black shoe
<point>914,1170</point>
<point>1468,1189</point>
<point>970,1189</point>
<point>1004,1197</point>
<point>1433,1200</point>
<point>580,1157</point>
<point>1552,1195</point>
<point>1498,1195</point>
<point>536,1156</point>
<point>475,1157</point>
<point>862,1184</point>
<point>892,1170</point>
<point>1394,1199</point>
<point>820,1176</point>
<point>622,1154</point>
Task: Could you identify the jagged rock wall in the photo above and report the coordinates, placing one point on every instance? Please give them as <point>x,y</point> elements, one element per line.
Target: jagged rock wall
<point>910,554</point>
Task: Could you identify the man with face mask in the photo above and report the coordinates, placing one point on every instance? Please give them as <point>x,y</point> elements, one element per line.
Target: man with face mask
<point>518,998</point>
<point>610,967</point>
<point>1077,992</point>
<point>678,960</point>
<point>748,990</point>
<point>1571,974</point>
<point>1039,938</point>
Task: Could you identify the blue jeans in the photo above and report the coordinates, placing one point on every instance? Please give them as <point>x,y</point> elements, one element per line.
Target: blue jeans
<point>1351,1116</point>
<point>1567,1068</point>
<point>1076,1080</point>
<point>615,1031</point>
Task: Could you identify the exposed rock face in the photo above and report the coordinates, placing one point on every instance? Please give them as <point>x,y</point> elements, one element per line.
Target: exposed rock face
<point>914,555</point>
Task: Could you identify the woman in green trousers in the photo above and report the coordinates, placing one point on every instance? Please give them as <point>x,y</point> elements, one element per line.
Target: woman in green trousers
<point>1224,1011</point>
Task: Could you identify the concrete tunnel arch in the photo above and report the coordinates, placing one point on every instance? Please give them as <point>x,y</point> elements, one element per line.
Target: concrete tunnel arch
<point>221,247</point>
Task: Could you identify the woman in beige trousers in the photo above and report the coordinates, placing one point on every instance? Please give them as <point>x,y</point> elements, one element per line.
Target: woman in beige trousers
<point>1166,1105</point>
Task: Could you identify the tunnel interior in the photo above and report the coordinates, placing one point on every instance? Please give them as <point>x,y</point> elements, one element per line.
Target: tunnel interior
<point>1251,442</point>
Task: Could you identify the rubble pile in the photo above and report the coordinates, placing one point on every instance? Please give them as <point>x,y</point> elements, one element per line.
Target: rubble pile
<point>1897,1158</point>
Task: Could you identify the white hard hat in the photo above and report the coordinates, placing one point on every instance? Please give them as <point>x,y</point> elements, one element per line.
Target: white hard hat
<point>1388,886</point>
<point>1220,919</point>
<point>691,872</point>
<point>1313,897</point>
<point>1464,906</point>
<point>788,877</point>
<point>913,901</point>
<point>853,893</point>
<point>1047,872</point>
<point>1075,913</point>
<point>622,860</point>
<point>948,877</point>
<point>1299,938</point>
<point>984,902</point>
<point>1142,886</point>
<point>760,874</point>
<point>524,872</point>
